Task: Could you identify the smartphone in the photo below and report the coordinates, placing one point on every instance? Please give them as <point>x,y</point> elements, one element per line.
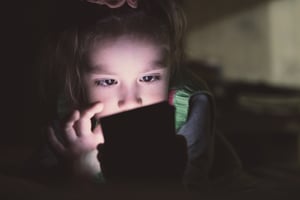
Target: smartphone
<point>141,124</point>
<point>139,143</point>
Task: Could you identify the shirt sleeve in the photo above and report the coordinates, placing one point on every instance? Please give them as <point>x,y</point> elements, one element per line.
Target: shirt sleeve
<point>198,131</point>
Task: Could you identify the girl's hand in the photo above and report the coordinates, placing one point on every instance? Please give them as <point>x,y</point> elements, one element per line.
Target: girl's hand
<point>80,148</point>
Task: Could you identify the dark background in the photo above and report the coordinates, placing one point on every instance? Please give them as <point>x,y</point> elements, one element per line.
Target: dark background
<point>266,148</point>
<point>27,22</point>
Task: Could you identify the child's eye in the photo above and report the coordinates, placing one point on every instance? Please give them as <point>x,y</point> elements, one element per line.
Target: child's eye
<point>106,82</point>
<point>149,78</point>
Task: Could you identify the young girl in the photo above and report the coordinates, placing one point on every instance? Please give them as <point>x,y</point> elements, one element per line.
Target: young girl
<point>114,56</point>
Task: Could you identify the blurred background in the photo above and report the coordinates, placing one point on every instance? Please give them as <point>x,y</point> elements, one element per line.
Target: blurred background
<point>247,51</point>
<point>249,54</point>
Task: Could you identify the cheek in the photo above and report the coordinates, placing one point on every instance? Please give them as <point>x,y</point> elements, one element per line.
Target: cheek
<point>155,93</point>
<point>106,96</point>
<point>102,95</point>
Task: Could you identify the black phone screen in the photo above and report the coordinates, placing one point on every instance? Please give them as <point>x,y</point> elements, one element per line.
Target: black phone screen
<point>139,142</point>
<point>139,125</point>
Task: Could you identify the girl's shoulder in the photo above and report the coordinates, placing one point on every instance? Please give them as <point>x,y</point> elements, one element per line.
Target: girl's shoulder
<point>181,98</point>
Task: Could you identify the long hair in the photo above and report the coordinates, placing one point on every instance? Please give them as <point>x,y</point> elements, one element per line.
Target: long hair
<point>82,24</point>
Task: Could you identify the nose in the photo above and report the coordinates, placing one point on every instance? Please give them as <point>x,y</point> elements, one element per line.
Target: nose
<point>130,98</point>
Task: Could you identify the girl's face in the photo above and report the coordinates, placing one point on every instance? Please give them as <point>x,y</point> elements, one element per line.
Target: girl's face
<point>125,74</point>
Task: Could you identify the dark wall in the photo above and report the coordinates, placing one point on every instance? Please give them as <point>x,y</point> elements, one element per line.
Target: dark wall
<point>24,27</point>
<point>202,12</point>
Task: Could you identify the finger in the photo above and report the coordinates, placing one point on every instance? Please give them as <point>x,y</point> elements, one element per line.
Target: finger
<point>84,124</point>
<point>93,110</point>
<point>55,143</point>
<point>99,134</point>
<point>70,133</point>
<point>72,119</point>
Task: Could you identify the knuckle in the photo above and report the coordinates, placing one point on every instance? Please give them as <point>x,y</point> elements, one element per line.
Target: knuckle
<point>86,113</point>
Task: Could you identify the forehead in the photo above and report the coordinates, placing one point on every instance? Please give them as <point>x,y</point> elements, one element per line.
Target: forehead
<point>126,41</point>
<point>128,50</point>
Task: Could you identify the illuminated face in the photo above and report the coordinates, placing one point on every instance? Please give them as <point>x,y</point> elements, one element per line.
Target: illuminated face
<point>125,74</point>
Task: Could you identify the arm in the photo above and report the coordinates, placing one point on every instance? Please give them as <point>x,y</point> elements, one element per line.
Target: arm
<point>198,131</point>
